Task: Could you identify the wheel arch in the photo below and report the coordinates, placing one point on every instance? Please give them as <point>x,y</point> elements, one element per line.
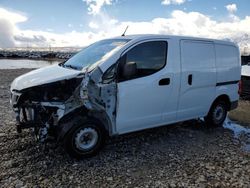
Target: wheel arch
<point>80,114</point>
<point>223,97</point>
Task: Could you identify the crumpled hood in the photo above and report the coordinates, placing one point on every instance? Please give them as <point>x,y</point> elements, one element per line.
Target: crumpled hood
<point>44,75</point>
<point>245,70</point>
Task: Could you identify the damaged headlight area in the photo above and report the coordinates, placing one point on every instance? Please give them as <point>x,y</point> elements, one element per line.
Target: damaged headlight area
<point>40,107</point>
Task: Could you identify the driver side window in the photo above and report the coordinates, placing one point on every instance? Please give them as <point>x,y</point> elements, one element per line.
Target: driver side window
<point>148,57</point>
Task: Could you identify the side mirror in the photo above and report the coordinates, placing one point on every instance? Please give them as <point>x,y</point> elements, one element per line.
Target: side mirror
<point>109,75</point>
<point>129,70</point>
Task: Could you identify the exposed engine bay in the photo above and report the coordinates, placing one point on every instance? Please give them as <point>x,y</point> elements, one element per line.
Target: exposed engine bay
<point>49,107</point>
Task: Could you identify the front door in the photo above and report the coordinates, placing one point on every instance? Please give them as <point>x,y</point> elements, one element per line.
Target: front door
<point>143,98</point>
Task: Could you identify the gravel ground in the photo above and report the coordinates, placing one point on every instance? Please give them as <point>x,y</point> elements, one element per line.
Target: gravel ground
<point>182,155</point>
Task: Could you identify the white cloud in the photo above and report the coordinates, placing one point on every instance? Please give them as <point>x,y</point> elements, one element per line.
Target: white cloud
<point>169,2</point>
<point>94,6</point>
<point>13,17</point>
<point>102,22</point>
<point>184,23</point>
<point>33,38</point>
<point>234,18</point>
<point>231,8</point>
<point>49,30</point>
<point>103,26</point>
<point>8,21</point>
<point>93,25</point>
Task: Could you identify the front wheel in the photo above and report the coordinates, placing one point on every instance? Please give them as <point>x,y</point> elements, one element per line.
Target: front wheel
<point>217,114</point>
<point>84,139</point>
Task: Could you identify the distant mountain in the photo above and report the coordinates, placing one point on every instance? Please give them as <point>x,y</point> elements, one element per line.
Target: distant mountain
<point>243,40</point>
<point>42,49</point>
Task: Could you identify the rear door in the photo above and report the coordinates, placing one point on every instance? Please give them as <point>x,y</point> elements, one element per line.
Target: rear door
<point>198,78</point>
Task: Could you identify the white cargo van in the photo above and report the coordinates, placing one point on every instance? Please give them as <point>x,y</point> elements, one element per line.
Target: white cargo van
<point>126,84</point>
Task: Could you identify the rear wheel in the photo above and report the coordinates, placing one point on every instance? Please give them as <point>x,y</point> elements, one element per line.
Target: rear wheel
<point>85,139</point>
<point>217,114</point>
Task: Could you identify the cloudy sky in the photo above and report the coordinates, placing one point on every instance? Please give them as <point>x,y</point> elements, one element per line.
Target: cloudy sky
<point>43,23</point>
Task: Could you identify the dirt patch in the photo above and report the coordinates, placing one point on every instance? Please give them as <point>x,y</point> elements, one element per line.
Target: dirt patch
<point>242,113</point>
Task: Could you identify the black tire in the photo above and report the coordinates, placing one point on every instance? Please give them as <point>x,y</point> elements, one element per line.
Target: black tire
<point>73,145</point>
<point>217,114</point>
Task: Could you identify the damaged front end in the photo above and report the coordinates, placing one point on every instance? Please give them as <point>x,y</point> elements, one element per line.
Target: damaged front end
<point>49,99</point>
<point>41,107</point>
<point>47,108</point>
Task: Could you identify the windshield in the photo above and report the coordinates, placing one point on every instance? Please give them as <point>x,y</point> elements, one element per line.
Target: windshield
<point>95,53</point>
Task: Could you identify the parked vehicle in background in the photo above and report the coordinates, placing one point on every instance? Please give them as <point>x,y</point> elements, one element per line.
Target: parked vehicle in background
<point>127,84</point>
<point>245,81</point>
<point>245,59</point>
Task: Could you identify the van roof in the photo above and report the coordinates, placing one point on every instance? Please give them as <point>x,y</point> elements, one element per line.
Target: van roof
<point>150,36</point>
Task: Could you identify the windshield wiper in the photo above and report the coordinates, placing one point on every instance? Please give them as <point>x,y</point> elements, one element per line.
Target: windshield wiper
<point>71,66</point>
<point>61,64</point>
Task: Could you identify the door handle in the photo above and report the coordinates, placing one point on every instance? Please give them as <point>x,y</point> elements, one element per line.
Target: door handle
<point>164,81</point>
<point>190,79</point>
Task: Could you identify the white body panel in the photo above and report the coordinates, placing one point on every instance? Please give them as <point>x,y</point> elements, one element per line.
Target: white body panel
<point>228,69</point>
<point>142,103</point>
<point>227,63</point>
<point>44,75</point>
<point>245,70</point>
<point>198,62</point>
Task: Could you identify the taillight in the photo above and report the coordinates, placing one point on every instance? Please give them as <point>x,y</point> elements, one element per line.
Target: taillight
<point>240,87</point>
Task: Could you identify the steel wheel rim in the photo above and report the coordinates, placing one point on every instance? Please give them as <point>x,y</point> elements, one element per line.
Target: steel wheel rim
<point>86,139</point>
<point>218,113</point>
